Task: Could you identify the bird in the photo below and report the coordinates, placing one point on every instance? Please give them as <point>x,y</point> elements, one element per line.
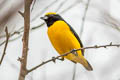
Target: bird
<point>64,39</point>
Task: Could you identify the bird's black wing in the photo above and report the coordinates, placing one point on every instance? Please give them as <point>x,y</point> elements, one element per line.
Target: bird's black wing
<point>76,35</point>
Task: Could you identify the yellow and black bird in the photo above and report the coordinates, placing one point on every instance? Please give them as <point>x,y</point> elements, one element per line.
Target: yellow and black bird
<point>64,38</point>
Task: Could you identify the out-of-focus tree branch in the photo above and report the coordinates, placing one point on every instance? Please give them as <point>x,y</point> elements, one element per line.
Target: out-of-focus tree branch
<point>81,32</point>
<point>7,16</point>
<point>61,4</point>
<point>45,9</point>
<point>2,3</point>
<point>4,51</point>
<point>72,52</point>
<point>110,21</point>
<point>33,5</point>
<point>71,6</point>
<point>84,16</point>
<point>19,31</point>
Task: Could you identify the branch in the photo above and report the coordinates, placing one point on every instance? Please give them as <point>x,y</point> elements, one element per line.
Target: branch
<point>71,6</point>
<point>45,9</point>
<point>36,27</point>
<point>84,16</point>
<point>4,51</point>
<point>72,52</point>
<point>23,60</point>
<point>33,5</point>
<point>81,32</point>
<point>61,5</point>
<point>109,20</point>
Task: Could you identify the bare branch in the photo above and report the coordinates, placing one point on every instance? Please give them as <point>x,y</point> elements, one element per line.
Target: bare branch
<point>109,20</point>
<point>54,59</point>
<point>33,5</point>
<point>23,70</point>
<point>74,72</point>
<point>4,51</point>
<point>84,16</point>
<point>7,16</point>
<point>81,32</point>
<point>36,27</point>
<point>61,4</point>
<point>22,14</point>
<point>46,8</point>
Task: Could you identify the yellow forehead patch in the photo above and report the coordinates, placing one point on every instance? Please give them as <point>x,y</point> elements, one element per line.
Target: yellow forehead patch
<point>49,13</point>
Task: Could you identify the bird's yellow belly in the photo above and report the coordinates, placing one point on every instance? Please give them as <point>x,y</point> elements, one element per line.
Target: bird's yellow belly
<point>62,39</point>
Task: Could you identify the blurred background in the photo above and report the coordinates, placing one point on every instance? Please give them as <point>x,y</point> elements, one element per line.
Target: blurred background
<point>96,25</point>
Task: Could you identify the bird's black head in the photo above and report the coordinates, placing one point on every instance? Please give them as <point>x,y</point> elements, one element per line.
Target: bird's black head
<point>50,18</point>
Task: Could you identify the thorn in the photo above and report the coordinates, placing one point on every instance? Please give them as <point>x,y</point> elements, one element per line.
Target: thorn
<point>22,14</point>
<point>96,46</point>
<point>20,59</point>
<point>105,47</point>
<point>110,43</point>
<point>53,59</point>
<point>22,39</point>
<point>118,45</point>
<point>43,62</point>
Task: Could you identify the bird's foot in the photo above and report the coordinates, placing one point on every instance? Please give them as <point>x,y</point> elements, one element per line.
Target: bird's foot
<point>74,52</point>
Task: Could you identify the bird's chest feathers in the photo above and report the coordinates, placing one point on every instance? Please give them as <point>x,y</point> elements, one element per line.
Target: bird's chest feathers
<point>58,30</point>
<point>59,35</point>
<point>62,38</point>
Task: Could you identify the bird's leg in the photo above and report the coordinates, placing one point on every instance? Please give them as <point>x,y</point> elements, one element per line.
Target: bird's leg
<point>74,52</point>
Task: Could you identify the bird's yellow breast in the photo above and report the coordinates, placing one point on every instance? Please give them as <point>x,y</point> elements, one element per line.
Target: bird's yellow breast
<point>62,38</point>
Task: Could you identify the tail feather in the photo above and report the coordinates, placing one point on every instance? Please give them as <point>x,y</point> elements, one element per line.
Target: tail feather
<point>88,66</point>
<point>84,62</point>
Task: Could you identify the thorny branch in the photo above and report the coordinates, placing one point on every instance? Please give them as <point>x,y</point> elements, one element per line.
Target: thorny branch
<point>4,51</point>
<point>72,52</point>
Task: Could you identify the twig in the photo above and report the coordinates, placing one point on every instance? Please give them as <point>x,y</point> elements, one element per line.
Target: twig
<point>46,8</point>
<point>33,28</point>
<point>84,16</point>
<point>54,58</point>
<point>33,5</point>
<point>23,60</point>
<point>81,32</point>
<point>22,14</point>
<point>74,71</point>
<point>60,6</point>
<point>10,13</point>
<point>4,51</point>
<point>110,21</point>
<point>10,40</point>
<point>71,6</point>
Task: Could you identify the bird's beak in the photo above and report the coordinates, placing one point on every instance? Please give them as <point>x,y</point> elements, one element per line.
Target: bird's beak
<point>44,18</point>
